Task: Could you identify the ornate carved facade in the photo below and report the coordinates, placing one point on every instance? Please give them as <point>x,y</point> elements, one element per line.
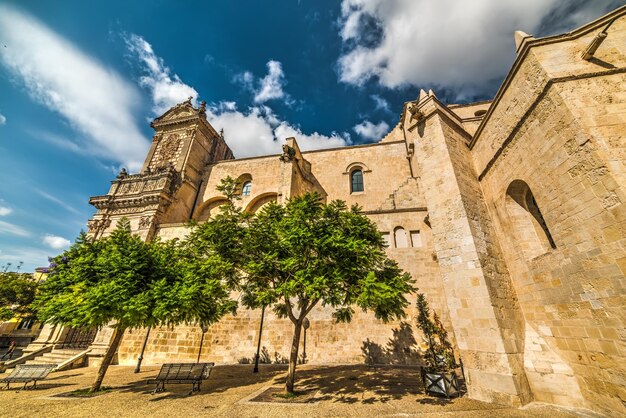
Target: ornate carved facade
<point>509,214</point>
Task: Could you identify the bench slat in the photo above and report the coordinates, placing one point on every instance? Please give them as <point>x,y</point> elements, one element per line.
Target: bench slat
<point>182,373</point>
<point>25,373</point>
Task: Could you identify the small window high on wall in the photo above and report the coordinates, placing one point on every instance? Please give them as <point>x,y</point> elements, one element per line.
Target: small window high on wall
<point>356,181</point>
<point>246,189</point>
<point>529,229</point>
<point>400,237</point>
<point>416,238</point>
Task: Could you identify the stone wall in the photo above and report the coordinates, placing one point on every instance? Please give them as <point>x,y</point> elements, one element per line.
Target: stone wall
<point>366,339</point>
<point>483,307</point>
<point>559,128</point>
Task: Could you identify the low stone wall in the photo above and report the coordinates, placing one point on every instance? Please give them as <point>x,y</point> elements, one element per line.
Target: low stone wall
<point>234,340</point>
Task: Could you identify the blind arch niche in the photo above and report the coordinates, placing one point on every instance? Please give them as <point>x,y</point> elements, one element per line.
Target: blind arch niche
<point>530,231</point>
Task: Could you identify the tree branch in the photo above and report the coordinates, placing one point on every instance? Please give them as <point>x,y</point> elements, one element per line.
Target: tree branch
<point>310,307</point>
<point>290,310</point>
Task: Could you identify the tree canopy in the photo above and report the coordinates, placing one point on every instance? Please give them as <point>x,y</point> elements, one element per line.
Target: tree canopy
<point>17,292</point>
<point>124,281</point>
<point>305,253</point>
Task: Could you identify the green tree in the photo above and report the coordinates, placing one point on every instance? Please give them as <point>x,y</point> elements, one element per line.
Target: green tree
<point>17,292</point>
<point>440,352</point>
<point>307,253</point>
<point>123,280</point>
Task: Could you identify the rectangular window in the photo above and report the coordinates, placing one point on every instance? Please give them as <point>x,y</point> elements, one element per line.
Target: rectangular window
<point>416,238</point>
<point>26,323</point>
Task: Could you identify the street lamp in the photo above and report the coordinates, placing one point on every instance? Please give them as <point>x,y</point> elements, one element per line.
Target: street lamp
<point>258,346</point>
<point>204,330</point>
<point>305,324</point>
<point>143,348</point>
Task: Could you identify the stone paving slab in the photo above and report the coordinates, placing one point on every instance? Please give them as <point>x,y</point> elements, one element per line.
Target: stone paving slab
<point>342,391</point>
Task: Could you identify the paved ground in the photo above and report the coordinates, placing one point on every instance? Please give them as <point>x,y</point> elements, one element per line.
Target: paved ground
<point>341,391</point>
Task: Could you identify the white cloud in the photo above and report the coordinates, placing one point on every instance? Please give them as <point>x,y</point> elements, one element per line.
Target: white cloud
<point>12,229</point>
<point>380,103</point>
<point>371,131</point>
<point>258,131</point>
<point>3,119</point>
<point>311,141</point>
<point>96,101</point>
<point>58,141</point>
<point>167,89</point>
<point>267,88</point>
<point>4,211</point>
<point>55,242</point>
<point>246,79</point>
<point>271,86</point>
<point>57,201</point>
<point>459,44</point>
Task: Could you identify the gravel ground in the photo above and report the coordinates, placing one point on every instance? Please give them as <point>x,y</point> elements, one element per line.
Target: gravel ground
<point>341,391</point>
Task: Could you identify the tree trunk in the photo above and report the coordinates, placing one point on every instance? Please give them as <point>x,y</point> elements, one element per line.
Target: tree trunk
<point>293,358</point>
<point>118,333</point>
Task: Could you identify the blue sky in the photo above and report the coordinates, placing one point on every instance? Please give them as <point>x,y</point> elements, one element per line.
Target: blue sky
<point>80,81</point>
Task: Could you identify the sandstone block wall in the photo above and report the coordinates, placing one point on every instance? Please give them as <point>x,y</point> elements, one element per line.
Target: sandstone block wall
<point>560,128</point>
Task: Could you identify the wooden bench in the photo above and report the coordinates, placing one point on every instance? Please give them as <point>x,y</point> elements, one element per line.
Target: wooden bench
<point>193,373</point>
<point>25,373</point>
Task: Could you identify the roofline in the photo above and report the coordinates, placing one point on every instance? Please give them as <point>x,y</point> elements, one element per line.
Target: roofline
<point>530,43</point>
<point>455,106</point>
<point>375,144</point>
<point>259,157</point>
<point>234,160</point>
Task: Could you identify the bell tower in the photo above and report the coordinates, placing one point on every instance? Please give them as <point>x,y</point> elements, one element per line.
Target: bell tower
<point>164,191</point>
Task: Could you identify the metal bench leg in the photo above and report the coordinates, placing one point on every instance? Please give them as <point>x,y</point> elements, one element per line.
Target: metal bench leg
<point>195,387</point>
<point>160,387</point>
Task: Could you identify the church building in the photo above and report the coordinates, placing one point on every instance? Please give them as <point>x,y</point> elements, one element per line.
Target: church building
<point>509,214</point>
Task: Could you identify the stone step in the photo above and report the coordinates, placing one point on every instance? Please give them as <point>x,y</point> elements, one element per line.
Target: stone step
<point>41,360</point>
<point>56,358</point>
<point>67,351</point>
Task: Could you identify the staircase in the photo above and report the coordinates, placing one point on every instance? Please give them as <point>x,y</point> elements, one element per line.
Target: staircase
<point>56,356</point>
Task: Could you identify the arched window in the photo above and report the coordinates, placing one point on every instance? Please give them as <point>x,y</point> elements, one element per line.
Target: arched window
<point>399,235</point>
<point>246,188</point>
<point>356,183</point>
<point>531,231</point>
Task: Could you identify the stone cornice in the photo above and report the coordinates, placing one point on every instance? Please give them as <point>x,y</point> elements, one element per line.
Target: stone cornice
<point>116,202</point>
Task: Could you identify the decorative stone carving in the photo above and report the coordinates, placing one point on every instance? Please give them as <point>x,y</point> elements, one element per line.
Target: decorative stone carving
<point>97,226</point>
<point>416,114</point>
<point>168,148</point>
<point>144,222</point>
<point>123,174</point>
<point>289,153</point>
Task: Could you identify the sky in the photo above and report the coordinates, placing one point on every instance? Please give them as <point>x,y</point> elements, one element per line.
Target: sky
<point>80,82</point>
